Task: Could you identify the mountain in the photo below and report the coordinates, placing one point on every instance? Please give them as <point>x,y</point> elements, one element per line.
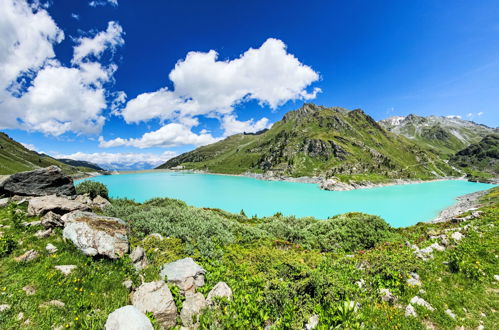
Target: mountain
<point>445,135</point>
<point>319,141</point>
<point>480,160</point>
<point>80,163</point>
<point>14,157</point>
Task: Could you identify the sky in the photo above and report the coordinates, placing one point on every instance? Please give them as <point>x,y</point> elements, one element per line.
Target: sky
<point>130,84</point>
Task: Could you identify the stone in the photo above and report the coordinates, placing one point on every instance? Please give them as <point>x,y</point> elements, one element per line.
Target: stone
<point>450,313</point>
<point>128,318</point>
<point>496,277</point>
<point>221,290</point>
<point>155,297</point>
<point>32,224</point>
<point>44,233</point>
<point>96,235</point>
<point>421,302</point>
<point>4,202</point>
<point>410,311</point>
<point>312,322</point>
<point>185,273</point>
<point>4,307</point>
<point>27,256</point>
<point>29,290</point>
<point>66,269</point>
<point>128,284</point>
<point>414,280</point>
<point>457,236</point>
<point>52,303</point>
<point>51,248</point>
<point>156,236</point>
<point>40,182</point>
<point>192,306</point>
<point>360,283</point>
<point>138,257</point>
<point>84,199</point>
<point>387,296</point>
<point>100,202</point>
<point>20,316</point>
<point>437,247</point>
<point>40,205</point>
<point>51,220</point>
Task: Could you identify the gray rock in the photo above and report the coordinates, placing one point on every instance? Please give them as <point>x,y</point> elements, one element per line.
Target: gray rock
<point>84,199</point>
<point>410,311</point>
<point>457,236</point>
<point>27,256</point>
<point>66,269</point>
<point>40,182</point>
<point>185,273</point>
<point>32,223</point>
<point>450,313</point>
<point>44,233</point>
<point>51,248</point>
<point>52,303</point>
<point>51,220</point>
<point>421,302</point>
<point>4,202</point>
<point>100,202</point>
<point>155,236</point>
<point>4,307</point>
<point>496,277</point>
<point>29,290</point>
<point>312,322</point>
<point>387,296</point>
<point>437,247</point>
<point>138,257</point>
<point>414,280</point>
<point>59,205</point>
<point>128,284</point>
<point>128,318</point>
<point>96,235</point>
<point>192,306</point>
<point>156,298</point>
<point>221,289</point>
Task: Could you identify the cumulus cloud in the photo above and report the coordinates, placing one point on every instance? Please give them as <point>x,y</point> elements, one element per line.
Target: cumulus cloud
<point>453,116</point>
<point>170,135</point>
<point>96,3</point>
<point>37,92</point>
<point>233,126</point>
<point>471,114</point>
<point>122,161</point>
<point>204,85</point>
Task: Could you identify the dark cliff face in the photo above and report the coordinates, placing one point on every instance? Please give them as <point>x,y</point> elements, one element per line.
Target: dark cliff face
<point>482,156</point>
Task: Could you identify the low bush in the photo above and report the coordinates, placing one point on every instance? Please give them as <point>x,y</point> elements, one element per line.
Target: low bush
<point>92,188</point>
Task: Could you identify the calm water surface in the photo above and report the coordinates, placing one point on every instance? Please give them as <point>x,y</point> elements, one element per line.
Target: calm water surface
<point>401,205</point>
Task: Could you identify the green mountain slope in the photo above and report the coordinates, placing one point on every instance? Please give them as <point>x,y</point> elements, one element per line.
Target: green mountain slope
<point>14,157</point>
<point>80,163</point>
<point>445,135</point>
<point>480,160</point>
<point>319,141</point>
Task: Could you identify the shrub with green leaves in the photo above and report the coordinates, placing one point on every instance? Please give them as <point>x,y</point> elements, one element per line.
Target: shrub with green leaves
<point>7,245</point>
<point>92,188</point>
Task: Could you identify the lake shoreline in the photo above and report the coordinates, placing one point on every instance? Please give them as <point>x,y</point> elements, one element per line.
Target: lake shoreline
<point>468,202</point>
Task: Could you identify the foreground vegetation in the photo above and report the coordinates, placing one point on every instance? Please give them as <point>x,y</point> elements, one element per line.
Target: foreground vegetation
<point>281,269</point>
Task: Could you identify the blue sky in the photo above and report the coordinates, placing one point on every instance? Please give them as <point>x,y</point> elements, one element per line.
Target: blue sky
<point>386,57</point>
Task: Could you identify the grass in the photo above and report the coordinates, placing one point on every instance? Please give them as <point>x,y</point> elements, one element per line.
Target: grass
<point>282,270</point>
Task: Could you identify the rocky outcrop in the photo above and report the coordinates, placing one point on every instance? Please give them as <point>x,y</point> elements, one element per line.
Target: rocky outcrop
<point>96,235</point>
<point>138,257</point>
<point>59,205</point>
<point>41,182</point>
<point>220,290</point>
<point>128,318</point>
<point>52,220</point>
<point>156,298</point>
<point>191,308</point>
<point>184,273</point>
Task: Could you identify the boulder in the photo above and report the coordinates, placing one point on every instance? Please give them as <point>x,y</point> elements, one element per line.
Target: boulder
<point>100,202</point>
<point>156,298</point>
<point>96,235</point>
<point>40,182</point>
<point>192,306</point>
<point>44,233</point>
<point>221,289</point>
<point>60,205</point>
<point>66,269</point>
<point>138,257</point>
<point>84,199</point>
<point>27,256</point>
<point>4,202</point>
<point>51,248</point>
<point>421,302</point>
<point>128,318</point>
<point>52,220</point>
<point>185,273</point>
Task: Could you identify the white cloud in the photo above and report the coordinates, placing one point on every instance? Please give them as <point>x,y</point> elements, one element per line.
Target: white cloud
<point>233,126</point>
<point>471,114</point>
<point>95,3</point>
<point>75,16</point>
<point>29,146</point>
<point>479,114</point>
<point>170,135</point>
<point>36,91</point>
<point>453,116</point>
<point>122,160</point>
<point>109,39</point>
<point>204,85</point>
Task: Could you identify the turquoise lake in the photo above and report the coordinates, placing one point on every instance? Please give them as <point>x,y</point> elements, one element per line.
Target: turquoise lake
<point>400,205</point>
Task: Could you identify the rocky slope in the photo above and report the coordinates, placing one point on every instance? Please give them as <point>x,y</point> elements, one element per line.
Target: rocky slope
<point>319,141</point>
<point>14,157</point>
<point>445,135</point>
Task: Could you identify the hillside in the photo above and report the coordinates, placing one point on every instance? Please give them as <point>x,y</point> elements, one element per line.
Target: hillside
<point>445,135</point>
<point>14,157</point>
<point>80,163</point>
<point>480,160</point>
<point>319,141</point>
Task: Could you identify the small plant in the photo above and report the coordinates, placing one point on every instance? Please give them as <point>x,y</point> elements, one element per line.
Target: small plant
<point>92,188</point>
<point>7,245</point>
